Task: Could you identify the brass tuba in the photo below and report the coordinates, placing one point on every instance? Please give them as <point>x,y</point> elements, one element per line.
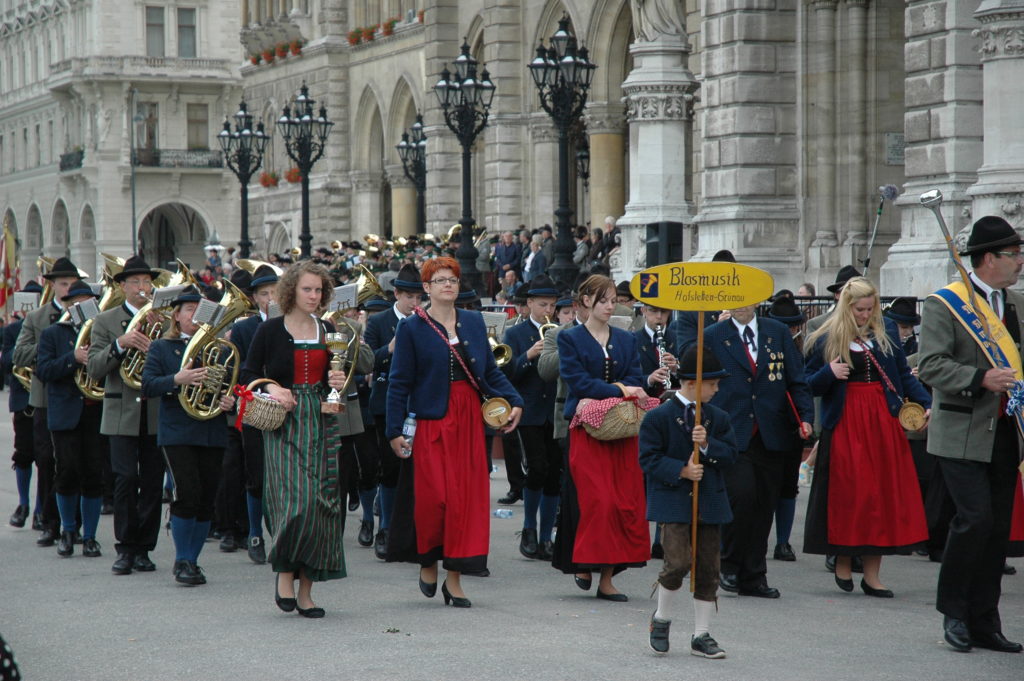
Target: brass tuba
<point>133,361</point>
<point>112,297</point>
<point>218,356</point>
<point>502,352</point>
<point>43,264</point>
<point>367,287</point>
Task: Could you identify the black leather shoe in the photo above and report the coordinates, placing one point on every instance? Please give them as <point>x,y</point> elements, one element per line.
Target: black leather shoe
<point>761,591</point>
<point>583,583</point>
<point>199,571</point>
<point>1007,568</point>
<point>48,537</point>
<point>728,583</point>
<point>657,551</point>
<point>615,598</point>
<point>91,548</point>
<point>286,604</point>
<point>186,573</point>
<point>19,516</point>
<point>546,550</point>
<point>455,601</point>
<point>528,542</point>
<point>37,522</point>
<point>365,537</point>
<point>123,564</point>
<point>142,563</point>
<point>353,504</point>
<point>228,544</point>
<point>66,544</point>
<point>784,552</point>
<point>956,634</point>
<point>659,635</point>
<point>257,550</point>
<point>107,508</point>
<point>512,497</point>
<point>313,613</point>
<point>872,591</point>
<point>428,589</point>
<point>995,641</point>
<point>830,563</point>
<point>844,584</point>
<point>380,544</point>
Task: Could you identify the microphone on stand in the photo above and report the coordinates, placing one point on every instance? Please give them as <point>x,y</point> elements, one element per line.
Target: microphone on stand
<point>887,192</point>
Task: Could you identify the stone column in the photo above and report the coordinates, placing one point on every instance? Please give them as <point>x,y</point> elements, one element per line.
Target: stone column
<point>441,42</point>
<point>822,254</point>
<point>943,126</point>
<point>543,171</point>
<point>245,13</point>
<point>1000,186</point>
<point>366,213</point>
<point>853,104</point>
<point>659,109</point>
<point>403,202</point>
<point>750,188</point>
<point>606,126</point>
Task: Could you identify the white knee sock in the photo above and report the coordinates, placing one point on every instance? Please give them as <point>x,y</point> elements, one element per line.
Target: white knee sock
<point>667,602</point>
<point>702,616</point>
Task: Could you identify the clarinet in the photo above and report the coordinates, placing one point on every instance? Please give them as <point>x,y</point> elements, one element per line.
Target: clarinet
<point>659,343</point>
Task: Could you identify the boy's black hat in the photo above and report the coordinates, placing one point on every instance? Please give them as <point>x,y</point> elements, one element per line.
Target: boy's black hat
<point>903,311</point>
<point>688,365</point>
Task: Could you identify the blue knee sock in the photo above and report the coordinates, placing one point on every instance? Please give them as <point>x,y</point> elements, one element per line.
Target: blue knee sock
<point>531,504</point>
<point>67,505</point>
<point>199,533</point>
<point>657,533</point>
<point>24,477</point>
<point>366,497</point>
<point>784,514</point>
<point>548,511</point>
<point>181,532</point>
<point>90,516</point>
<point>255,508</point>
<point>387,504</point>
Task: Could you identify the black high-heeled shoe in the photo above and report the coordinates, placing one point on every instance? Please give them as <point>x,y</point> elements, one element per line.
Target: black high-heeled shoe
<point>872,591</point>
<point>456,601</point>
<point>428,589</point>
<point>286,604</point>
<point>844,584</point>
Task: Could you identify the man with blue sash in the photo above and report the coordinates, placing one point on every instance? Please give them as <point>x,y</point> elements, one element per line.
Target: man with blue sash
<point>970,356</point>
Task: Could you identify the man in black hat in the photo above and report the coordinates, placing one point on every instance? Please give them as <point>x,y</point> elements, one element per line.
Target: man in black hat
<point>130,422</point>
<point>536,428</point>
<point>73,421</point>
<point>903,311</point>
<point>845,274</point>
<point>21,414</point>
<point>970,432</point>
<point>380,336</point>
<point>60,277</point>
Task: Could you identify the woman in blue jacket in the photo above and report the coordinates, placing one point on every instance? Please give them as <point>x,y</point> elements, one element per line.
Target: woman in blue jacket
<point>865,500</point>
<point>441,362</point>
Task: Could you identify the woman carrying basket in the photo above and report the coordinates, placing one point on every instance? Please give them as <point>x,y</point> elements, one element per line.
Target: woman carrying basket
<point>302,499</point>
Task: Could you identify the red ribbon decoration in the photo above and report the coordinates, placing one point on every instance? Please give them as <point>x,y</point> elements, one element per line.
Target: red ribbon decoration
<point>245,396</point>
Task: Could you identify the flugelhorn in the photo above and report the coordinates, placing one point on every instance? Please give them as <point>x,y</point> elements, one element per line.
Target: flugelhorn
<point>367,287</point>
<point>92,388</point>
<point>547,326</point>
<point>502,352</point>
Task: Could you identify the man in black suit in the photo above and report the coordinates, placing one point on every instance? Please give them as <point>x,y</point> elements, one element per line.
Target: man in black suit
<point>658,363</point>
<point>21,414</point>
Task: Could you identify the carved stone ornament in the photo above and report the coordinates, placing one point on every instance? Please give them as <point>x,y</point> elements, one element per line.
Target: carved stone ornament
<point>659,107</point>
<point>1001,42</point>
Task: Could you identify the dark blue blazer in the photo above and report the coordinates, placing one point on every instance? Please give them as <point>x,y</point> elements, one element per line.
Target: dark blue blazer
<point>242,333</point>
<point>538,265</point>
<point>581,364</point>
<point>666,445</point>
<point>649,358</point>
<point>176,427</point>
<point>685,329</point>
<point>538,394</point>
<point>833,391</point>
<point>507,255</point>
<point>380,329</point>
<point>18,398</point>
<point>56,366</point>
<point>419,380</point>
<point>749,398</point>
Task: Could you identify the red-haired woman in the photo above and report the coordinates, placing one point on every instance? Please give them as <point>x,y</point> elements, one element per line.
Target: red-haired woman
<point>441,365</point>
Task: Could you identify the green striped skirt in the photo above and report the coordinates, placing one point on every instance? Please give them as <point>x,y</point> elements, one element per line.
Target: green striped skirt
<point>301,498</point>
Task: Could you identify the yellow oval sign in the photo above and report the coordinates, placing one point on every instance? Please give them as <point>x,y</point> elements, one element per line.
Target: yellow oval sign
<point>702,286</point>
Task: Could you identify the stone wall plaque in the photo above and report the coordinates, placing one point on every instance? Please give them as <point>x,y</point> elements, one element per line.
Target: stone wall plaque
<point>895,143</point>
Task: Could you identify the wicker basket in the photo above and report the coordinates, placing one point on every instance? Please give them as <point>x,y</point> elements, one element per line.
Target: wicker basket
<point>622,420</point>
<point>261,411</point>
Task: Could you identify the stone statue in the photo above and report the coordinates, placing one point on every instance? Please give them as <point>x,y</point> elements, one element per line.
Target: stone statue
<point>653,19</point>
<point>103,120</point>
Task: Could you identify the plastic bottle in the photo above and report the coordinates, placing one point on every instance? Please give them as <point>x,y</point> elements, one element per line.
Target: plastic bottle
<point>502,513</point>
<point>409,431</point>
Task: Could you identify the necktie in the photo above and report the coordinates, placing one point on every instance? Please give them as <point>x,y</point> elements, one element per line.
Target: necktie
<point>996,299</point>
<point>748,338</point>
<point>691,415</point>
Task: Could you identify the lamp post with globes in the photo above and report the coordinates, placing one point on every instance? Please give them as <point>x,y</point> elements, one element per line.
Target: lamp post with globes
<point>563,73</point>
<point>305,139</point>
<point>243,152</point>
<point>413,152</point>
<point>465,98</point>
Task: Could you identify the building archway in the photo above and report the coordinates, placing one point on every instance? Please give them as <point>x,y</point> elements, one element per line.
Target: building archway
<point>32,247</point>
<point>278,239</point>
<point>172,231</point>
<point>58,246</point>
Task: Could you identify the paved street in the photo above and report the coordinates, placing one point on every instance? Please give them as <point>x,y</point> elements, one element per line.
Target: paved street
<point>70,619</point>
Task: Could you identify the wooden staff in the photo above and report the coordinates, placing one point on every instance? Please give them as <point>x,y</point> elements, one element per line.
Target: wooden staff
<point>696,451</point>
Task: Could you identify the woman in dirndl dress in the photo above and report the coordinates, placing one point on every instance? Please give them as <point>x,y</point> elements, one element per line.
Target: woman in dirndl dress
<point>302,501</point>
<point>603,525</point>
<point>865,500</point>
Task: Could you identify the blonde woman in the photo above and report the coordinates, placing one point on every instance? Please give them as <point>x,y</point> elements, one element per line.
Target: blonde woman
<point>864,500</point>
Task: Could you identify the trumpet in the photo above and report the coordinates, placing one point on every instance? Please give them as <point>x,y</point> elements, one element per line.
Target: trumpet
<point>502,352</point>
<point>113,296</point>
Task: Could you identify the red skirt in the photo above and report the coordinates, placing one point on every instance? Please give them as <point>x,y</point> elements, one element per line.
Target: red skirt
<point>1016,548</point>
<point>612,527</point>
<point>451,484</point>
<point>874,499</point>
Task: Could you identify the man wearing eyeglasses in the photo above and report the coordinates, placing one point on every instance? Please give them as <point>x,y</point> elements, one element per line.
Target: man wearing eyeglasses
<point>971,434</point>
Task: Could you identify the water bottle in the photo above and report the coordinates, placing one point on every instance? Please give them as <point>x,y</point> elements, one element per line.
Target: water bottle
<point>502,513</point>
<point>409,432</point>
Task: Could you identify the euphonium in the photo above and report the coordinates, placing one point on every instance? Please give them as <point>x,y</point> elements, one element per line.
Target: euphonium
<point>131,365</point>
<point>43,264</point>
<point>218,356</point>
<point>113,296</point>
<point>502,352</point>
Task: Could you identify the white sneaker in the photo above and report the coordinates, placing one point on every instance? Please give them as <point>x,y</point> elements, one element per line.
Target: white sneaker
<point>806,474</point>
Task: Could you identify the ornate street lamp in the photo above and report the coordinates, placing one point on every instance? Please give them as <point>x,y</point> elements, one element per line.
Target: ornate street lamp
<point>563,73</point>
<point>583,160</point>
<point>243,152</point>
<point>466,100</point>
<point>413,152</point>
<point>305,139</point>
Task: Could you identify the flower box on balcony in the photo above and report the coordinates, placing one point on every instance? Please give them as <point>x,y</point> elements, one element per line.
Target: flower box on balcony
<point>368,33</point>
<point>268,56</point>
<point>354,35</point>
<point>296,47</point>
<point>281,51</point>
<point>268,179</point>
<point>293,175</point>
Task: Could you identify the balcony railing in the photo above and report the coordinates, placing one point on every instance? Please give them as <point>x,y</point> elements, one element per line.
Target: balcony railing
<point>72,160</point>
<point>179,158</point>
